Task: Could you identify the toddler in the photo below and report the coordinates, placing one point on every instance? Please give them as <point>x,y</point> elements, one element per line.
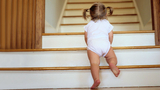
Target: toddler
<point>99,37</point>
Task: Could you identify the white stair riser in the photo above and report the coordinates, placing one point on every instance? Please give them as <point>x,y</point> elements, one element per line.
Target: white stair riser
<point>74,6</point>
<point>95,0</point>
<point>69,41</point>
<point>124,11</point>
<point>111,19</point>
<point>142,39</point>
<point>76,58</point>
<point>116,11</point>
<point>117,27</point>
<point>78,79</point>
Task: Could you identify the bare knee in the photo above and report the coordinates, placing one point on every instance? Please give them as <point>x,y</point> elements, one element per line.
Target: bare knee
<point>95,63</point>
<point>112,60</point>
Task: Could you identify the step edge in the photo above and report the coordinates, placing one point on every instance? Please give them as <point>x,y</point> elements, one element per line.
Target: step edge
<point>108,15</point>
<point>76,68</point>
<point>75,49</point>
<point>113,8</point>
<point>115,32</point>
<point>111,23</point>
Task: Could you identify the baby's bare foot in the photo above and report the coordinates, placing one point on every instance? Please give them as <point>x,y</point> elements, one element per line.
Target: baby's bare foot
<point>96,84</point>
<point>114,69</point>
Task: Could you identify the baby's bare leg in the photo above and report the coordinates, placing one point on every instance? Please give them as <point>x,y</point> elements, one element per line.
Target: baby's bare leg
<point>94,61</point>
<point>112,61</point>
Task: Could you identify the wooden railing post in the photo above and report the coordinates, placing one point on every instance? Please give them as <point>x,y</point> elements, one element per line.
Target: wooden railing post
<point>156,19</point>
<point>39,22</point>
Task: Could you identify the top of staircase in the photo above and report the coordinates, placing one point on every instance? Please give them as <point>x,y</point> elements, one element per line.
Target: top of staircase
<point>101,2</point>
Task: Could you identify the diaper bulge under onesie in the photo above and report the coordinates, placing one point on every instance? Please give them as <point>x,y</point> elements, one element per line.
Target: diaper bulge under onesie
<point>100,46</point>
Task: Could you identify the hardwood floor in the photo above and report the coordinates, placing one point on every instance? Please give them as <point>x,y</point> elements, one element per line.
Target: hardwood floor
<point>138,88</point>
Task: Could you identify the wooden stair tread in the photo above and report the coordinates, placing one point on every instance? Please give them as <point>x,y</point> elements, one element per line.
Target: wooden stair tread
<point>111,23</point>
<point>115,32</point>
<point>75,68</point>
<point>101,2</point>
<point>108,15</point>
<point>75,49</point>
<point>113,8</point>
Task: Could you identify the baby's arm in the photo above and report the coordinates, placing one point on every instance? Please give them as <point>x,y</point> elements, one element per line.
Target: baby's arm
<point>85,36</point>
<point>111,37</point>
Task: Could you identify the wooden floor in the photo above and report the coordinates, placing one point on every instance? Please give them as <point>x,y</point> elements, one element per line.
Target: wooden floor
<point>138,88</point>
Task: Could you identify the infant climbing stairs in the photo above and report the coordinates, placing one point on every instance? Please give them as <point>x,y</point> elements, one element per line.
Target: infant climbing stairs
<point>63,61</point>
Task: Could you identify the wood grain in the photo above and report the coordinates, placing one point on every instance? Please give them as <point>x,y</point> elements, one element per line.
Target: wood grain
<point>43,18</point>
<point>24,26</point>
<point>76,68</point>
<point>152,12</point>
<point>30,24</point>
<point>156,19</point>
<point>34,25</point>
<point>2,24</point>
<point>39,23</point>
<point>8,23</point>
<point>14,24</point>
<point>19,24</point>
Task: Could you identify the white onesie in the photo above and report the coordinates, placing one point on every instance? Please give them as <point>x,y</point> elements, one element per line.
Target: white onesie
<point>97,36</point>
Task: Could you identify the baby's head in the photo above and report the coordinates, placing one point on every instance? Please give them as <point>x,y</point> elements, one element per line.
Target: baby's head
<point>97,11</point>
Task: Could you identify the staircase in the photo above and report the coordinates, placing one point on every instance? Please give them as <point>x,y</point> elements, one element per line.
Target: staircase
<point>63,61</point>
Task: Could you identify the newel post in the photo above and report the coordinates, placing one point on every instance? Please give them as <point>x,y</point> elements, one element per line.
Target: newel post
<point>156,19</point>
<point>40,22</point>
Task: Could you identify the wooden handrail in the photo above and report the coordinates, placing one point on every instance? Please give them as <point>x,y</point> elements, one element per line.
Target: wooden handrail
<point>101,2</point>
<point>75,49</point>
<point>115,32</point>
<point>75,68</point>
<point>108,15</point>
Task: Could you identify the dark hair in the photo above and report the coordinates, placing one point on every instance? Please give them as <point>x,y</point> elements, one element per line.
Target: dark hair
<point>97,11</point>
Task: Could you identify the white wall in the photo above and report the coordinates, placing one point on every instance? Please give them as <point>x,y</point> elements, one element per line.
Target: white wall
<point>144,7</point>
<point>148,26</point>
<point>53,10</point>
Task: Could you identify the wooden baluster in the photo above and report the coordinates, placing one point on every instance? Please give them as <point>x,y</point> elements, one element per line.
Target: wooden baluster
<point>8,23</point>
<point>43,19</point>
<point>30,24</point>
<point>24,26</point>
<point>19,24</point>
<point>14,24</point>
<point>2,24</point>
<point>34,25</point>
